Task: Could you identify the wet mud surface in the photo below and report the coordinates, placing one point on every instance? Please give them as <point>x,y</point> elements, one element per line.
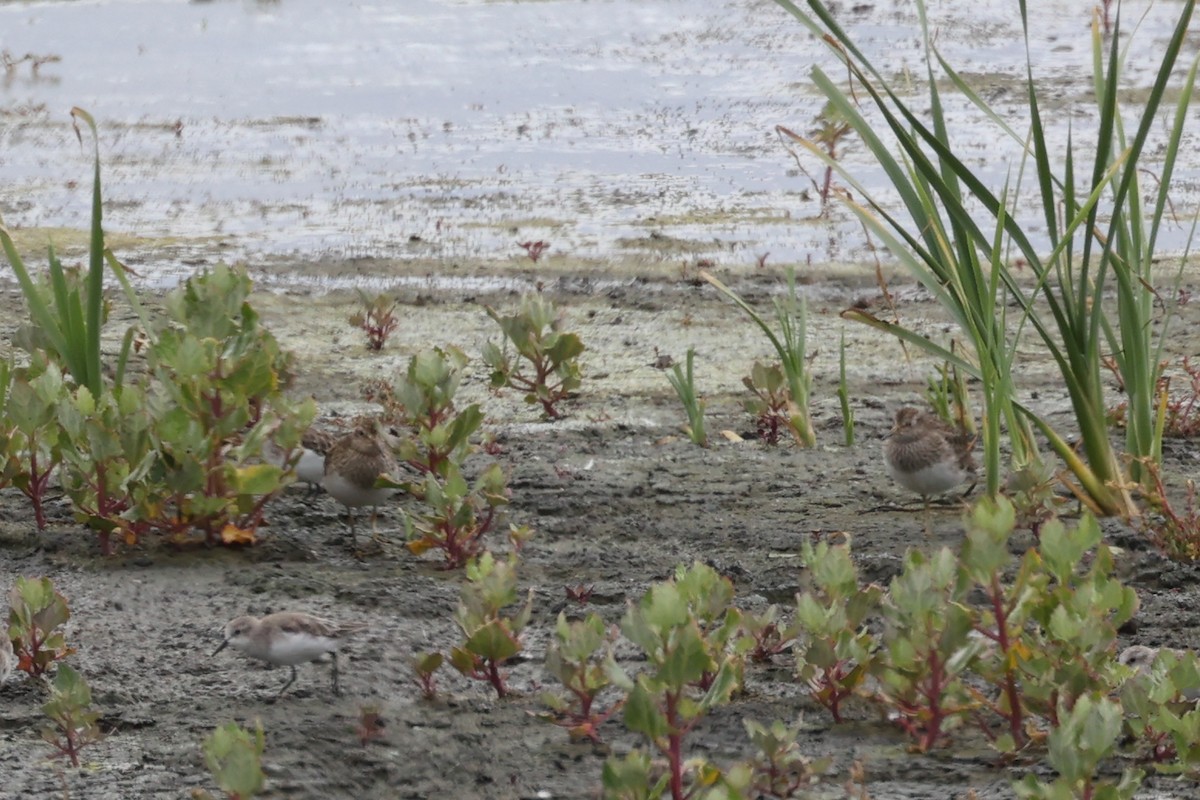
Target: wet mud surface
<point>618,498</point>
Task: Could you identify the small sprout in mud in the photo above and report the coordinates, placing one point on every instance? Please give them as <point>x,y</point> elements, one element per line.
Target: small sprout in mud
<point>580,593</point>
<point>826,135</point>
<point>35,623</point>
<point>1176,532</point>
<point>537,334</point>
<point>70,709</point>
<point>425,667</point>
<point>370,725</point>
<point>376,318</point>
<point>577,657</point>
<point>234,757</point>
<point>760,260</point>
<point>772,403</point>
<point>685,386</point>
<point>31,431</point>
<point>778,768</point>
<point>534,249</point>
<point>769,635</point>
<point>492,637</point>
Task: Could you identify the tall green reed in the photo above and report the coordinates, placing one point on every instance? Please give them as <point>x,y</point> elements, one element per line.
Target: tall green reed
<point>69,318</point>
<point>961,238</point>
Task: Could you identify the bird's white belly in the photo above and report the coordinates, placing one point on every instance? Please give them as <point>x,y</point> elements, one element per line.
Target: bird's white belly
<point>931,480</point>
<point>311,467</point>
<point>349,494</point>
<point>298,648</point>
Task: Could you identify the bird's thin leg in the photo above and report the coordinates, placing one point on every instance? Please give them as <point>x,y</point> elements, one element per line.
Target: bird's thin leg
<point>353,535</point>
<point>375,525</point>
<point>334,672</point>
<point>928,527</point>
<point>291,680</point>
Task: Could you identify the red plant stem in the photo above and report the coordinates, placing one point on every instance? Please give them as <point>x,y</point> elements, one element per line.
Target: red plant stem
<point>675,746</point>
<point>495,678</point>
<point>1015,720</point>
<point>933,695</point>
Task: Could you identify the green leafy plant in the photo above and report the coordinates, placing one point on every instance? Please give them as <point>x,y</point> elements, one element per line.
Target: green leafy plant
<point>1088,732</point>
<point>217,395</point>
<point>421,401</point>
<point>772,405</point>
<point>778,768</point>
<point>36,615</point>
<point>376,318</point>
<point>492,637</point>
<point>577,657</point>
<point>233,755</point>
<point>1102,238</point>
<point>69,318</point>
<point>685,386</point>
<point>457,516</point>
<point>791,314</point>
<point>537,334</point>
<point>767,633</point>
<point>70,710</point>
<point>834,651</point>
<point>671,625</point>
<point>34,438</point>
<point>425,667</point>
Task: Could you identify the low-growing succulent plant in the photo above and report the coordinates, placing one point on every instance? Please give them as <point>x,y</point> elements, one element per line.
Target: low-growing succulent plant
<point>537,333</point>
<point>577,657</point>
<point>234,757</point>
<point>491,636</point>
<point>36,616</point>
<point>74,722</point>
<point>376,318</point>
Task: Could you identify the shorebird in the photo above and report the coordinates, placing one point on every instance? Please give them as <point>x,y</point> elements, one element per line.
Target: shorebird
<point>352,466</point>
<point>926,455</point>
<point>287,639</point>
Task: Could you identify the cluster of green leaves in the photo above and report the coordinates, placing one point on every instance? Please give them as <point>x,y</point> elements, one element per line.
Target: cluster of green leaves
<point>456,514</point>
<point>1022,649</point>
<point>578,656</point>
<point>771,406</point>
<point>173,451</point>
<point>216,393</point>
<point>36,615</point>
<point>234,757</point>
<point>834,652</point>
<point>376,318</point>
<point>492,635</point>
<point>685,627</point>
<point>543,346</point>
<point>74,722</point>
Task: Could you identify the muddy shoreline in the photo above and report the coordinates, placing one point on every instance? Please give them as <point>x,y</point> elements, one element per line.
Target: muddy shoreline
<point>618,498</point>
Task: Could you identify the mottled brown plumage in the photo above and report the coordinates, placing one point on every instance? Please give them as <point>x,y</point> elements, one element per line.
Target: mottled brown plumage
<point>926,455</point>
<point>354,463</point>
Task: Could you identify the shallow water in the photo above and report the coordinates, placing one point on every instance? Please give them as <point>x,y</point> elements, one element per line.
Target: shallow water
<point>450,131</point>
